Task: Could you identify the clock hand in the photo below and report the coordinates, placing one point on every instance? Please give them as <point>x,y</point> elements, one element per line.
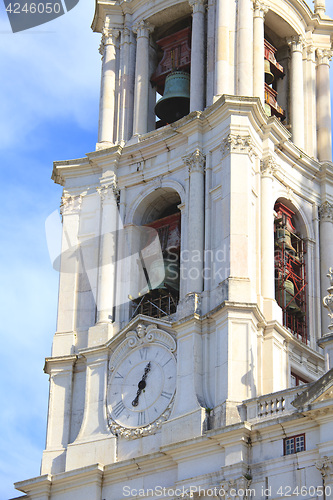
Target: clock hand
<point>141,385</point>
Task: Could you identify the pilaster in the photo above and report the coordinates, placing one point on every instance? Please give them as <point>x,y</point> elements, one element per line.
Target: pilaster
<point>324,127</point>
<point>108,87</point>
<point>259,12</point>
<point>141,89</point>
<point>58,426</point>
<point>326,253</point>
<point>107,263</point>
<point>296,44</point>
<point>245,48</point>
<point>196,216</point>
<point>94,443</point>
<point>197,90</point>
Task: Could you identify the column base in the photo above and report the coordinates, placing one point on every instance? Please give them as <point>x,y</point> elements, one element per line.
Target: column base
<point>100,333</point>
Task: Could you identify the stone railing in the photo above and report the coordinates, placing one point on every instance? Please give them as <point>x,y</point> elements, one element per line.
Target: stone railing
<point>272,405</point>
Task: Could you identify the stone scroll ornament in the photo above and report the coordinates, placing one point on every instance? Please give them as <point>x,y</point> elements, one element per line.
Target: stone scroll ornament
<point>328,300</point>
<point>26,14</point>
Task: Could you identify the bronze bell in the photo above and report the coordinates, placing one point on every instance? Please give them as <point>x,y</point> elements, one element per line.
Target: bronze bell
<point>269,77</point>
<point>292,307</point>
<point>283,237</point>
<point>175,102</point>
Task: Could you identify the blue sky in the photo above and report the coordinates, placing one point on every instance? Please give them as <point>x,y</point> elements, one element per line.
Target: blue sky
<point>48,111</point>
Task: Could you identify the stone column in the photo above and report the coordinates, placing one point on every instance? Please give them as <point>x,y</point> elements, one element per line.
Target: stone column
<point>326,253</point>
<point>245,48</point>
<point>196,212</point>
<point>69,268</point>
<point>325,466</point>
<point>319,7</point>
<point>125,84</point>
<point>210,51</point>
<point>108,85</point>
<point>59,413</point>
<point>141,89</point>
<point>197,92</point>
<point>94,443</point>
<point>297,90</point>
<point>268,167</point>
<point>310,102</point>
<point>324,127</point>
<point>222,48</point>
<point>259,11</point>
<point>107,265</point>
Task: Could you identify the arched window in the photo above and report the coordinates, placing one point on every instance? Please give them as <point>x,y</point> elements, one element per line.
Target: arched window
<point>290,271</point>
<point>159,297</point>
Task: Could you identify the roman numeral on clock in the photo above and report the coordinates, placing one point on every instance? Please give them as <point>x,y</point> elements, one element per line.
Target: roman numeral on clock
<point>143,353</point>
<point>166,395</point>
<point>118,409</point>
<point>141,418</point>
<point>118,375</point>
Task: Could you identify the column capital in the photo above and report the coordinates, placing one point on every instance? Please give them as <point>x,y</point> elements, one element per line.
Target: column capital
<point>198,6</point>
<point>326,212</point>
<point>325,466</point>
<point>108,192</point>
<point>323,56</point>
<point>296,43</point>
<point>237,144</point>
<point>268,166</point>
<point>109,37</point>
<point>125,36</point>
<point>259,9</point>
<point>195,161</point>
<point>142,29</point>
<point>71,204</point>
<point>311,52</point>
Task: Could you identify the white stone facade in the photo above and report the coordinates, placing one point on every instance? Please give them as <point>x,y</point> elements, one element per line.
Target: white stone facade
<point>226,426</point>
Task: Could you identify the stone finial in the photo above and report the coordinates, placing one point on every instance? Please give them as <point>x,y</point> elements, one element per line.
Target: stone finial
<point>319,7</point>
<point>328,300</point>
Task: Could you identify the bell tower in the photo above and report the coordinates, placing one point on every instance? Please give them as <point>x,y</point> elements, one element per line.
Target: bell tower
<point>197,238</point>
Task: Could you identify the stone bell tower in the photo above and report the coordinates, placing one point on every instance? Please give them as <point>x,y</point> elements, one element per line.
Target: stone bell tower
<point>196,244</point>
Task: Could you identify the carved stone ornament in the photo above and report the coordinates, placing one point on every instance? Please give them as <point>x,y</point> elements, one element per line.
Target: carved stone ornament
<point>323,56</point>
<point>325,466</point>
<point>143,29</point>
<point>268,166</point>
<point>141,337</point>
<point>198,5</point>
<point>108,192</point>
<point>326,212</point>
<point>259,9</point>
<point>71,204</point>
<point>109,37</point>
<point>237,144</point>
<point>235,488</point>
<point>328,300</point>
<point>296,43</point>
<point>195,161</point>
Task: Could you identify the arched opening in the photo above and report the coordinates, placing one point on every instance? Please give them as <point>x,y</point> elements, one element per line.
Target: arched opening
<point>161,216</point>
<point>171,78</point>
<point>290,269</point>
<point>277,66</point>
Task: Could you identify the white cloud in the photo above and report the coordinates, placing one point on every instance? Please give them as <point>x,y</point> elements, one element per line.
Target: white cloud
<point>51,72</point>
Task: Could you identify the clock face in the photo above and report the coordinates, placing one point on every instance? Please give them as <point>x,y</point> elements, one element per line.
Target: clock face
<point>142,386</point>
